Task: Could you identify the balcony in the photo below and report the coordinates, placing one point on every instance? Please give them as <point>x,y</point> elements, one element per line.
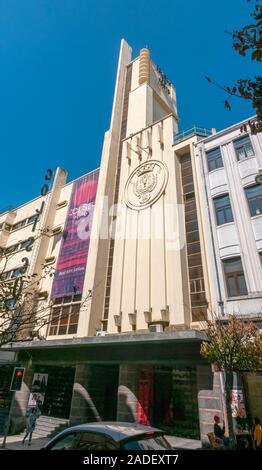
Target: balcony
<point>195,130</point>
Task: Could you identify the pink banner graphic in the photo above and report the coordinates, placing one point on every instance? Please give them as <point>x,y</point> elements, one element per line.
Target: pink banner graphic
<point>72,259</point>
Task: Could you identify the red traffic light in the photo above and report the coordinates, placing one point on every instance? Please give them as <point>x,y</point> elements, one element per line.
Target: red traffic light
<point>17,379</point>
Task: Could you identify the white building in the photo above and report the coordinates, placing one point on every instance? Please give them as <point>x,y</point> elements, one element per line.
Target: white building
<point>228,192</point>
<point>228,163</point>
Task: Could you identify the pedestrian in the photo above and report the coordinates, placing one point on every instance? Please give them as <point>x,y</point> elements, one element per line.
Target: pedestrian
<point>31,417</point>
<point>220,431</point>
<point>257,433</point>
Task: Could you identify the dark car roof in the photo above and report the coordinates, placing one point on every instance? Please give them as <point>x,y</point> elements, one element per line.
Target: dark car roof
<point>117,430</point>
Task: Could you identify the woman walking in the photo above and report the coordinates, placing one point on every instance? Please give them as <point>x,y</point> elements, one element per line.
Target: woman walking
<point>31,418</point>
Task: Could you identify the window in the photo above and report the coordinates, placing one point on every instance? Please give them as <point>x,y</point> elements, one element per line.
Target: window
<point>25,244</point>
<point>145,443</point>
<point>67,442</point>
<point>91,441</point>
<point>254,199</point>
<point>235,279</point>
<point>32,219</point>
<point>7,227</point>
<point>14,248</point>
<point>10,249</point>
<point>243,148</point>
<point>214,159</point>
<point>6,275</point>
<point>223,210</point>
<point>19,225</point>
<point>17,272</point>
<point>64,319</point>
<point>12,274</point>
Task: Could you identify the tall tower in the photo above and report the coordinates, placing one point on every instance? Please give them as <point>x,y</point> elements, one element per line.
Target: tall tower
<point>145,282</point>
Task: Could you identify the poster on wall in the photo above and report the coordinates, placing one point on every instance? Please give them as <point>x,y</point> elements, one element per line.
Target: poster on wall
<point>73,255</point>
<point>38,389</point>
<point>238,409</point>
<point>145,396</point>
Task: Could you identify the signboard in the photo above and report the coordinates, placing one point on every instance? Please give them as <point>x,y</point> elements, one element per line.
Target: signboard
<point>72,259</point>
<point>238,409</point>
<point>38,389</point>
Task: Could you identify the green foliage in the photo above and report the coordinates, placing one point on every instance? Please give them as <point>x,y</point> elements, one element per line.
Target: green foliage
<point>21,311</point>
<point>248,40</point>
<point>234,345</point>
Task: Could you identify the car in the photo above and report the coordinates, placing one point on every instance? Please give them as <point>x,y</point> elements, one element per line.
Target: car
<point>109,436</point>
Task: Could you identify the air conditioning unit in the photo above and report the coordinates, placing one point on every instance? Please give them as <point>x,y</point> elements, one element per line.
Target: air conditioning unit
<point>156,328</point>
<point>100,333</point>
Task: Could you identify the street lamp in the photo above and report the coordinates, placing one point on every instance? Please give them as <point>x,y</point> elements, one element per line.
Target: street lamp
<point>258,177</point>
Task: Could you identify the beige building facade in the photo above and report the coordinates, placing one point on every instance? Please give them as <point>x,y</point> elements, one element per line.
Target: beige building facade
<point>133,286</point>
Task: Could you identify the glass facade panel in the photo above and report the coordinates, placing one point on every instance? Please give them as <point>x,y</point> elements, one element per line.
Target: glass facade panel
<point>235,279</point>
<point>214,159</point>
<point>254,199</point>
<point>223,210</point>
<point>64,319</point>
<point>243,148</point>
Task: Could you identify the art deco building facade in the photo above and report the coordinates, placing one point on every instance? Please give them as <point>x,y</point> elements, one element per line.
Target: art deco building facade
<point>135,279</point>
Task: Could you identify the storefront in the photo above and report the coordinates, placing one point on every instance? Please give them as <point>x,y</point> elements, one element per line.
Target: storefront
<point>159,379</point>
<point>53,386</point>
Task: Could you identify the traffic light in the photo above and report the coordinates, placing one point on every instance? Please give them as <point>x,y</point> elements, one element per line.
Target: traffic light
<point>17,379</point>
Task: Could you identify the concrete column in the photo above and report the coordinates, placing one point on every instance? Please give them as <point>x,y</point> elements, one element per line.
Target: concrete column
<point>83,407</point>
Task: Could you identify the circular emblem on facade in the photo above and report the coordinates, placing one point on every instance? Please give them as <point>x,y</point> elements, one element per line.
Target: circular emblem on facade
<point>146,184</point>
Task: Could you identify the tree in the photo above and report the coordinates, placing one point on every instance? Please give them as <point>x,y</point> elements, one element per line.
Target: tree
<point>22,313</point>
<point>248,40</point>
<point>24,310</point>
<point>19,302</point>
<point>234,346</point>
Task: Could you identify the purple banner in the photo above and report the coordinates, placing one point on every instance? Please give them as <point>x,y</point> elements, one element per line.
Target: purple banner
<point>73,255</point>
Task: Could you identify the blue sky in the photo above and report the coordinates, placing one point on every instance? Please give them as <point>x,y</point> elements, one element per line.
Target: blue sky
<point>58,61</point>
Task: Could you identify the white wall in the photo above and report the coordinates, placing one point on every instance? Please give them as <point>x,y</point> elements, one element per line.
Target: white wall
<point>243,236</point>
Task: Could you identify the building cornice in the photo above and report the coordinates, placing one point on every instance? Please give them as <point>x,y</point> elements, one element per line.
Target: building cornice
<point>225,131</point>
<point>110,340</point>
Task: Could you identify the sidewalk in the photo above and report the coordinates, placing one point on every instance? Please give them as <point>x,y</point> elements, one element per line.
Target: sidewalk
<point>184,443</point>
<point>15,443</point>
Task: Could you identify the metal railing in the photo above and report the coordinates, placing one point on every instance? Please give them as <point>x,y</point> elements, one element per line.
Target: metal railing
<point>202,131</point>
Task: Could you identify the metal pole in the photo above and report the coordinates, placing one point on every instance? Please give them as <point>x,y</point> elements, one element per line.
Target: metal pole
<point>7,424</point>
